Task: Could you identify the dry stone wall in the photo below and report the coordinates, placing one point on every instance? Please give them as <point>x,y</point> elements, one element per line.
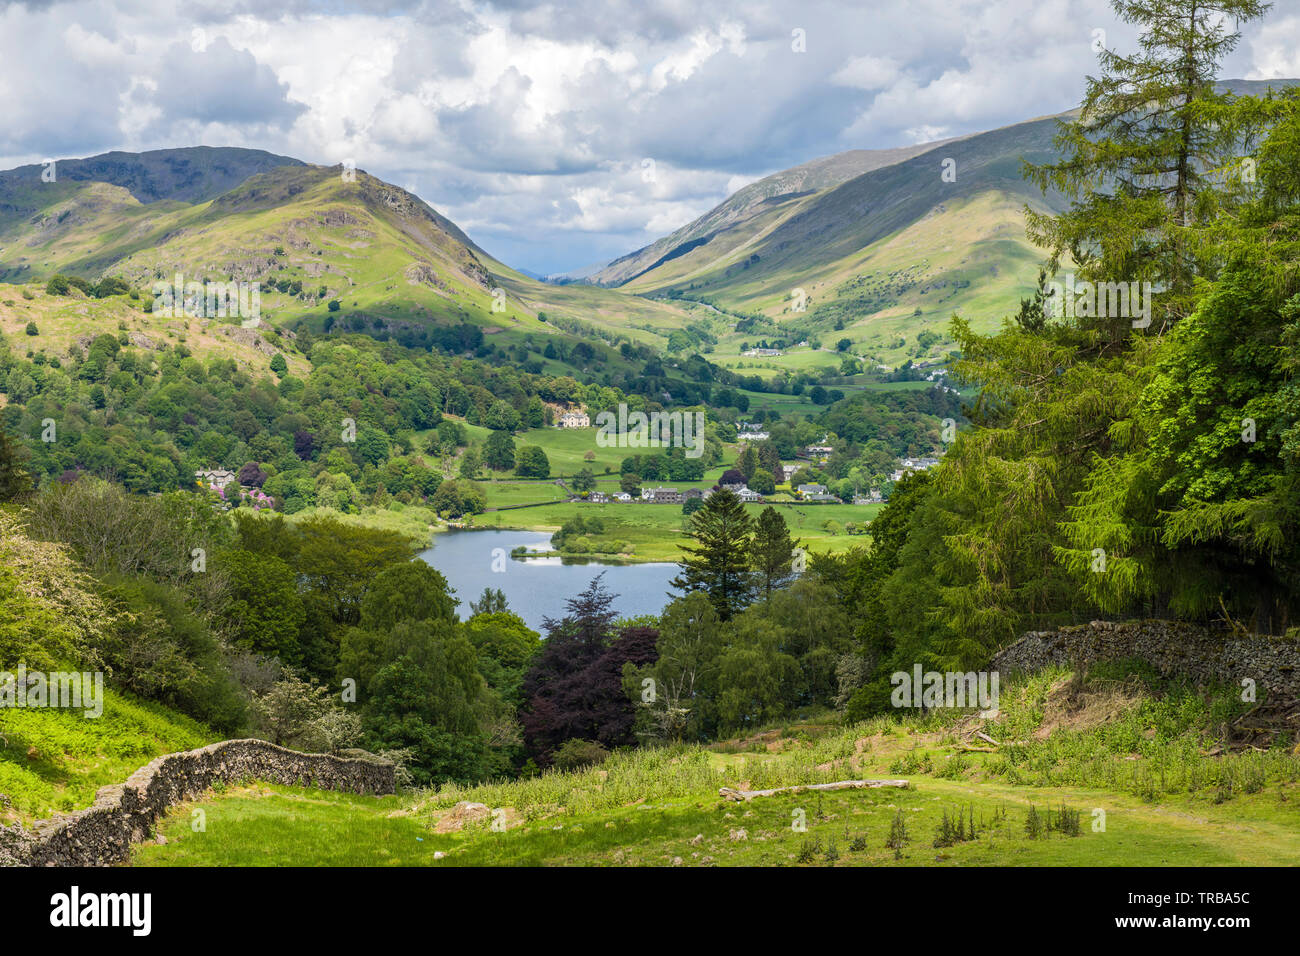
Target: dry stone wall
<point>1174,648</point>
<point>125,813</point>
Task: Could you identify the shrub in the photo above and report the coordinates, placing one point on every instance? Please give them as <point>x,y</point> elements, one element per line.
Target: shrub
<point>574,754</point>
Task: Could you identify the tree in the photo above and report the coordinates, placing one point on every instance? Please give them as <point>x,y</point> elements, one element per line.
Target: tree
<point>278,365</point>
<point>289,708</point>
<point>1141,159</point>
<point>732,476</point>
<point>304,444</point>
<point>683,679</point>
<point>762,482</point>
<point>630,484</point>
<point>717,563</point>
<point>583,481</point>
<point>264,612</point>
<point>14,478</point>
<point>502,416</point>
<point>32,329</point>
<point>575,754</point>
<point>469,464</point>
<point>533,463</point>
<point>491,601</point>
<point>414,591</point>
<point>251,475</point>
<point>429,696</point>
<point>756,678</point>
<point>574,689</point>
<point>772,550</point>
<point>499,451</point>
<point>747,463</point>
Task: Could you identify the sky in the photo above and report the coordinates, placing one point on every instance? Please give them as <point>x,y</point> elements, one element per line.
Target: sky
<point>556,135</point>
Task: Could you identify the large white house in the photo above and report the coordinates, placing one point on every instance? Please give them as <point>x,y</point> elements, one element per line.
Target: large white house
<point>214,478</point>
<point>578,419</point>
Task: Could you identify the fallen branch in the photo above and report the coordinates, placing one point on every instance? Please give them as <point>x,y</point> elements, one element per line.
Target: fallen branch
<point>739,795</point>
<point>987,739</point>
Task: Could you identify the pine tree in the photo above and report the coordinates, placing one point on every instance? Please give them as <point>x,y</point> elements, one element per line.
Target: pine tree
<point>718,564</point>
<point>14,478</point>
<point>1140,160</point>
<point>772,550</point>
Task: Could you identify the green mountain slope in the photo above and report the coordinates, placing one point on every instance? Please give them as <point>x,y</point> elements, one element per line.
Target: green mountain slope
<point>308,234</point>
<point>843,245</point>
<point>769,196</point>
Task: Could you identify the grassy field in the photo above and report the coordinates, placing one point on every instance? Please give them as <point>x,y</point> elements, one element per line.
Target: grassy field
<point>1130,766</point>
<point>657,531</point>
<point>53,760</point>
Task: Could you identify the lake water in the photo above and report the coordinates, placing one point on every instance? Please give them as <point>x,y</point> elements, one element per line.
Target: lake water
<point>538,587</point>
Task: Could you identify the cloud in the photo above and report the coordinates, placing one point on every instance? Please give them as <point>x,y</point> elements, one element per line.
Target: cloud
<point>528,123</point>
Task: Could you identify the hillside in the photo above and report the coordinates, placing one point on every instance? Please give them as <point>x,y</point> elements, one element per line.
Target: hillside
<point>875,246</point>
<point>750,202</point>
<point>1113,775</point>
<point>307,234</point>
<point>872,246</point>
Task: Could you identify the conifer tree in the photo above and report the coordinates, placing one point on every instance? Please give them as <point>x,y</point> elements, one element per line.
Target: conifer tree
<point>718,563</point>
<point>1140,161</point>
<point>772,551</point>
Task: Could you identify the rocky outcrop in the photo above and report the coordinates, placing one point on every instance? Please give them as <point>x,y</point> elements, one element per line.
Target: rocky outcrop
<point>1174,648</point>
<point>123,814</point>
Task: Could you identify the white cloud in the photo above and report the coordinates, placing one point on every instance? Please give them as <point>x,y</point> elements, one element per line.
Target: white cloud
<point>526,122</point>
<point>867,72</point>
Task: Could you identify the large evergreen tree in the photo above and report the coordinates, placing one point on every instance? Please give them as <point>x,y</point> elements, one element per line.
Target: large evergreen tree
<point>1142,160</point>
<point>772,551</point>
<point>718,562</point>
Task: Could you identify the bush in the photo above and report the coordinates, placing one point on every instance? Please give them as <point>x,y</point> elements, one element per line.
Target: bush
<point>31,329</point>
<point>574,754</point>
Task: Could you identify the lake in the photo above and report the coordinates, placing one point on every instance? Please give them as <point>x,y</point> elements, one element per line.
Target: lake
<point>538,587</point>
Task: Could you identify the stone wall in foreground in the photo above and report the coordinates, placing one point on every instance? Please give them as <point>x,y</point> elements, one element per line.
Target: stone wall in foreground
<point>125,813</point>
<point>1174,648</point>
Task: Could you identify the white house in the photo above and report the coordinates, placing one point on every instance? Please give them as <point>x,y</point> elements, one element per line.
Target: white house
<point>746,494</point>
<point>214,478</point>
<point>661,496</point>
<point>578,419</point>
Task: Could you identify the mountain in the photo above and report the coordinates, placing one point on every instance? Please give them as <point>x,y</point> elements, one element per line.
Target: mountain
<point>192,174</point>
<point>872,246</point>
<point>310,235</point>
<point>752,201</point>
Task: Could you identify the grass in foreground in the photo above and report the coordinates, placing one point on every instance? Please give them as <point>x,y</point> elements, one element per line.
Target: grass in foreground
<point>1137,788</point>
